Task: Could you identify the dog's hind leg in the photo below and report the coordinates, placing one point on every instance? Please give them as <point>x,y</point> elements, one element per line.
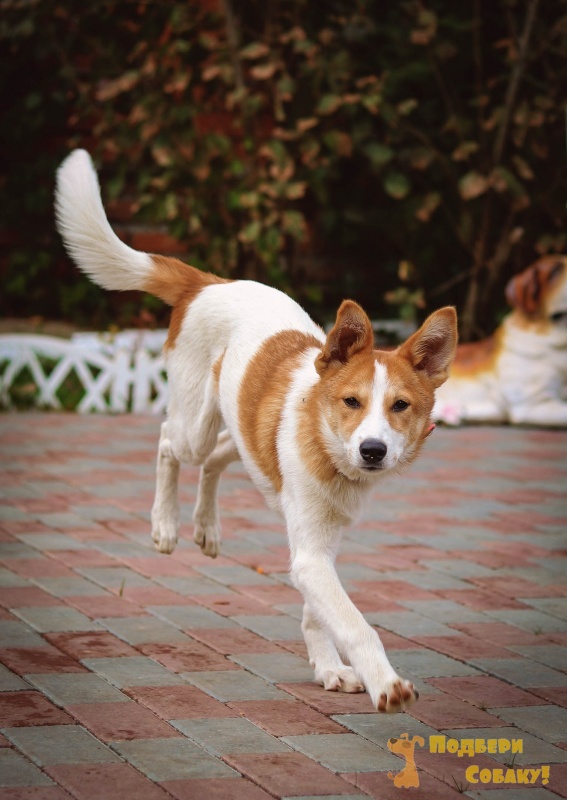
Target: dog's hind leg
<point>165,511</point>
<point>329,670</point>
<point>206,515</point>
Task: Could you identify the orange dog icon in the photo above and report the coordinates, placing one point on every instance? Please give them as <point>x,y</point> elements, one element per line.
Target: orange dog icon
<point>404,746</point>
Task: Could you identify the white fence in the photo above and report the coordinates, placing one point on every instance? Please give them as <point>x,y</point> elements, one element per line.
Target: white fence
<point>99,371</point>
<point>124,372</point>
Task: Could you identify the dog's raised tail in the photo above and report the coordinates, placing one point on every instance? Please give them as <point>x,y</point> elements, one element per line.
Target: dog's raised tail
<point>100,254</point>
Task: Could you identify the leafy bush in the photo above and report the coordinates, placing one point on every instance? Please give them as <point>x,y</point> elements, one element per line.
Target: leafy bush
<point>402,151</point>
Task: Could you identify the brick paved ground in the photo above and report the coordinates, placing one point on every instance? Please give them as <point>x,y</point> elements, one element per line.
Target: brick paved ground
<point>129,674</point>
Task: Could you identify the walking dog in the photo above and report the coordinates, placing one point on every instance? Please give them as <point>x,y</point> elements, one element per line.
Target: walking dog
<point>317,420</point>
<point>519,374</point>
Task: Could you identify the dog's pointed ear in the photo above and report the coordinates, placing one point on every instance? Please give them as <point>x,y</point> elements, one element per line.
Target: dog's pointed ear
<point>418,740</point>
<point>524,291</point>
<point>352,333</point>
<point>431,349</point>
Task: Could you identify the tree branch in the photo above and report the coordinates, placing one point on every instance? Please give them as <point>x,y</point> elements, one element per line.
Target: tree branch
<point>515,79</point>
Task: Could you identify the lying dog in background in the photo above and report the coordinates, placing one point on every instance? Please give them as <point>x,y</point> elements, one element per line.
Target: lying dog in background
<point>518,375</point>
<point>317,420</point>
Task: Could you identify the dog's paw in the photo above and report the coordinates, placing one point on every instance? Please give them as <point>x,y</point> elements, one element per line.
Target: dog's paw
<point>396,695</point>
<point>165,528</point>
<point>341,680</point>
<point>208,537</point>
<point>164,534</point>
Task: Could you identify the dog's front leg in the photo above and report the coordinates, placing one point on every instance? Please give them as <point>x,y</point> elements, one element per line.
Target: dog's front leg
<point>313,572</point>
<point>165,511</point>
<point>329,669</point>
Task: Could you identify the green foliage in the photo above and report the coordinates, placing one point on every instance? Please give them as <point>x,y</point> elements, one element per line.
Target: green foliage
<point>315,146</point>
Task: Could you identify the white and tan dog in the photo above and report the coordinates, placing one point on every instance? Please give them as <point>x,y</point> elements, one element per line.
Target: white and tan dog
<point>518,375</point>
<point>317,420</point>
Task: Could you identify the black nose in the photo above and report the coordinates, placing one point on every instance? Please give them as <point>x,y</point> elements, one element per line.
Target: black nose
<point>373,451</point>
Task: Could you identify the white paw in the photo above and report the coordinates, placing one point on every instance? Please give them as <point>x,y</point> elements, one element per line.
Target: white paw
<point>208,537</point>
<point>164,534</point>
<point>395,695</point>
<point>339,680</point>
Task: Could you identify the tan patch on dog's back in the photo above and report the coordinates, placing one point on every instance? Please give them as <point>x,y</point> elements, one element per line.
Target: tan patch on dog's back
<point>263,394</point>
<point>177,284</point>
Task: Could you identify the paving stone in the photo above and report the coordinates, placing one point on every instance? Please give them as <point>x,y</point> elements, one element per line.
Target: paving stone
<point>16,634</point>
<point>91,644</point>
<point>328,702</point>
<point>26,596</point>
<point>237,640</point>
<point>276,667</point>
<point>379,728</point>
<point>69,587</point>
<point>191,617</point>
<point>116,721</point>
<point>285,717</point>
<point>15,770</point>
<point>224,736</point>
<point>532,793</point>
<point>51,541</point>
<point>215,789</point>
<point>278,628</point>
<point>179,702</point>
<point>522,672</point>
<point>172,759</point>
<point>445,611</point>
<point>236,575</point>
<point>330,797</point>
<point>67,690</point>
<point>289,773</point>
<point>108,781</point>
<point>105,605</point>
<point>139,630</point>
<point>9,580</point>
<point>234,604</point>
<point>550,655</point>
<point>10,682</point>
<point>547,722</point>
<point>485,691</point>
<point>381,787</point>
<point>445,711</point>
<point>59,744</point>
<point>193,585</point>
<point>29,708</point>
<point>56,618</point>
<point>341,752</point>
<point>132,671</point>
<point>535,750</point>
<point>114,578</point>
<point>428,664</point>
<point>529,619</point>
<point>187,657</point>
<point>231,685</point>
<point>408,623</point>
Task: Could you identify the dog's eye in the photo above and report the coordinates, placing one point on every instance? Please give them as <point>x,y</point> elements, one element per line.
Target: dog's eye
<point>351,402</point>
<point>400,405</point>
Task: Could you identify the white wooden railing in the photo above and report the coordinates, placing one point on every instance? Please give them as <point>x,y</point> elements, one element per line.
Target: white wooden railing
<point>122,372</point>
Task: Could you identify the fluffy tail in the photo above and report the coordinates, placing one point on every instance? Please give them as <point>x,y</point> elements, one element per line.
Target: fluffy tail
<point>100,254</point>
